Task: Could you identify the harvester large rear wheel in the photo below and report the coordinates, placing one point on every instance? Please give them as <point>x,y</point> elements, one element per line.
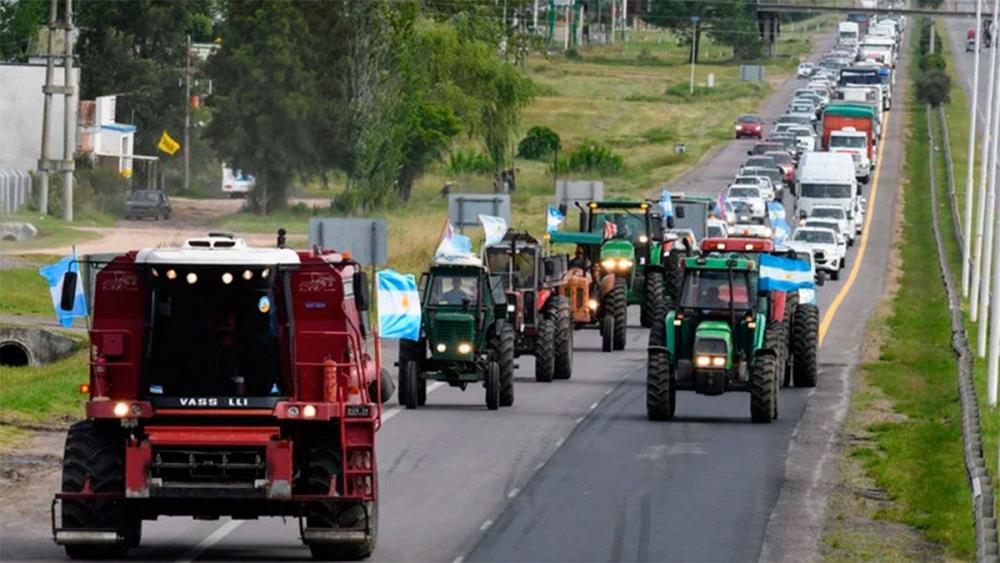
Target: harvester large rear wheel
<point>619,300</point>
<point>94,459</point>
<point>661,396</point>
<point>654,299</point>
<point>804,342</point>
<point>563,337</point>
<point>763,388</point>
<point>322,467</point>
<point>545,350</point>
<point>503,350</point>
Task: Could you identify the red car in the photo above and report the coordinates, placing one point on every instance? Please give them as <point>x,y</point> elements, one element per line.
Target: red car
<point>786,163</point>
<point>749,125</point>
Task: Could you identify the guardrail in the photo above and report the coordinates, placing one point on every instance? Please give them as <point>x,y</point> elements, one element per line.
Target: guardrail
<point>980,484</point>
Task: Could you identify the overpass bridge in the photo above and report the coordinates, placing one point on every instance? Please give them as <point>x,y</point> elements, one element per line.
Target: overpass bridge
<point>947,9</point>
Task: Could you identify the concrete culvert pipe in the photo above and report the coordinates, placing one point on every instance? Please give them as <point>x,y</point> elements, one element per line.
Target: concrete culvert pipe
<point>13,354</point>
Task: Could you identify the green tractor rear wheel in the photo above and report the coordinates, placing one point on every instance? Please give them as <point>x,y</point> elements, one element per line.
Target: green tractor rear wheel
<point>619,299</point>
<point>408,391</point>
<point>791,305</point>
<point>804,342</point>
<point>775,339</point>
<point>654,298</point>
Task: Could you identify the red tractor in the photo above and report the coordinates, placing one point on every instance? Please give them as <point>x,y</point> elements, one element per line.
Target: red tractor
<point>225,381</point>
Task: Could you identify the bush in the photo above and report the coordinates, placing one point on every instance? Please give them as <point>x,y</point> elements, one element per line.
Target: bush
<point>933,87</point>
<point>573,55</point>
<point>470,163</point>
<point>539,143</point>
<point>681,91</point>
<point>94,189</point>
<point>591,157</point>
<point>645,56</point>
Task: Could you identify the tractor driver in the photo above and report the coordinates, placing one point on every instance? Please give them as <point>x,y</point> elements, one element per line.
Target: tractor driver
<point>580,260</point>
<point>456,295</point>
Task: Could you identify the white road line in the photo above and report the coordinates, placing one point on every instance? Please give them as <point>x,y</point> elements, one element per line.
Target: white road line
<point>223,531</point>
<point>579,419</point>
<point>212,539</point>
<point>458,559</point>
<point>486,525</point>
<point>594,405</point>
<point>560,442</point>
<point>608,392</point>
<point>514,492</point>
<point>539,466</point>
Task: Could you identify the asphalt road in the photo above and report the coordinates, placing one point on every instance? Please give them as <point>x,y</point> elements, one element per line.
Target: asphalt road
<point>574,471</point>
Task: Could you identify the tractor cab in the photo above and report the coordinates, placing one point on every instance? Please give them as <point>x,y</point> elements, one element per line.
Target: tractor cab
<point>529,276</point>
<point>630,231</point>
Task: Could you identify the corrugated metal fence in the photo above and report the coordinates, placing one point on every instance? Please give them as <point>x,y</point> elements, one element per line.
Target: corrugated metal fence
<point>15,190</point>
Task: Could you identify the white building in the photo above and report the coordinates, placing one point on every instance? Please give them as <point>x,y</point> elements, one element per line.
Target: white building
<point>21,109</point>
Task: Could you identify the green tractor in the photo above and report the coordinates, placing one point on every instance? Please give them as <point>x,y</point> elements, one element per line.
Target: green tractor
<point>620,244</point>
<point>717,338</point>
<point>465,335</point>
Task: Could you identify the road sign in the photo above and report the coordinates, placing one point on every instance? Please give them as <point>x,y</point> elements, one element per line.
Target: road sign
<point>464,209</point>
<point>570,192</point>
<point>751,72</point>
<point>365,239</point>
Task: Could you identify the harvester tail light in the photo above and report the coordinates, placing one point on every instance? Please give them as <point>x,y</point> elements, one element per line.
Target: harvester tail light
<point>329,381</point>
<point>84,388</point>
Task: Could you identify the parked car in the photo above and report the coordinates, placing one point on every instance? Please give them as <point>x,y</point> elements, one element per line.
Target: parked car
<point>806,70</point>
<point>749,125</point>
<point>147,203</point>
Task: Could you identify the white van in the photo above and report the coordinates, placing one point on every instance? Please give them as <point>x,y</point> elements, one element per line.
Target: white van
<point>848,31</point>
<point>826,178</point>
<point>879,48</point>
<point>236,183</point>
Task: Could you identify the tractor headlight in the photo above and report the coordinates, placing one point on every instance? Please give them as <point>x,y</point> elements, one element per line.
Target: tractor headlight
<point>703,361</point>
<point>608,264</point>
<point>121,409</point>
<point>309,411</point>
<point>441,348</point>
<point>593,304</point>
<point>643,239</point>
<point>511,308</point>
<point>706,360</point>
<point>768,232</point>
<point>464,348</point>
<point>625,264</point>
<point>718,361</point>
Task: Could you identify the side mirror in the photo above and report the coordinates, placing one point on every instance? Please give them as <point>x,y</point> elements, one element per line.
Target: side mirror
<point>670,222</point>
<point>679,212</point>
<point>68,297</point>
<point>362,294</point>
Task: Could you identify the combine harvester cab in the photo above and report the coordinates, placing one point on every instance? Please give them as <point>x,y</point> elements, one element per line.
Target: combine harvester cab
<point>533,283</point>
<point>226,380</point>
<point>465,337</point>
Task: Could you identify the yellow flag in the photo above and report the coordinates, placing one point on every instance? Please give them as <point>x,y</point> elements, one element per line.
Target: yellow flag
<point>168,144</point>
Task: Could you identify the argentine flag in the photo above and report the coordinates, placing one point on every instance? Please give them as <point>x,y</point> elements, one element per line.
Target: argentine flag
<point>553,219</point>
<point>667,204</point>
<point>784,274</point>
<point>494,228</point>
<point>398,305</point>
<point>453,243</point>
<point>53,273</point>
<point>782,230</point>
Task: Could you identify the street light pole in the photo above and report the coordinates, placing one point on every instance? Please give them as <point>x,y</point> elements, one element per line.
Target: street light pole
<point>989,164</point>
<point>69,123</point>
<point>970,171</point>
<point>993,364</point>
<point>187,117</point>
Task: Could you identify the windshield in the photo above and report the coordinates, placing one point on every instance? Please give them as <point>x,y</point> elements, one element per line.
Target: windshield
<point>710,289</point>
<point>828,212</point>
<point>845,142</point>
<point>628,225</point>
<point>782,158</point>
<point>746,181</point>
<point>825,190</point>
<point>145,196</point>
<point>771,173</point>
<point>744,192</point>
<point>803,108</point>
<point>761,161</point>
<point>453,289</point>
<point>228,334</point>
<point>764,147</point>
<point>691,215</point>
<point>832,225</point>
<point>716,231</point>
<point>816,236</point>
<point>523,275</point>
<point>859,77</point>
<point>749,119</point>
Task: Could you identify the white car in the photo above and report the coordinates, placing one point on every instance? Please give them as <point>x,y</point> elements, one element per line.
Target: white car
<point>752,227</point>
<point>805,137</point>
<point>804,252</point>
<point>860,207</point>
<point>838,214</point>
<point>806,70</point>
<point>763,183</point>
<point>825,250</point>
<point>749,196</point>
<point>831,224</point>
<point>716,228</point>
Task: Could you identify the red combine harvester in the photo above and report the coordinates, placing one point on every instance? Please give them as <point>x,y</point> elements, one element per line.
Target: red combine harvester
<point>226,380</point>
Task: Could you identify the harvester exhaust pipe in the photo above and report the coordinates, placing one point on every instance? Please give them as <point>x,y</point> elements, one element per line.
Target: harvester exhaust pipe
<point>281,238</point>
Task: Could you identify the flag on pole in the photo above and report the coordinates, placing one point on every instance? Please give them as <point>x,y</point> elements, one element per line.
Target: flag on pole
<point>398,305</point>
<point>610,230</point>
<point>453,243</point>
<point>782,230</point>
<point>553,219</point>
<point>167,144</point>
<point>784,274</point>
<point>493,227</point>
<point>53,274</point>
<point>667,204</point>
<point>720,206</point>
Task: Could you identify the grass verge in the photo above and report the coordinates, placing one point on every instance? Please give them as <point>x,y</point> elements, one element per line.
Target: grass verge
<point>54,232</point>
<point>22,290</point>
<point>41,395</point>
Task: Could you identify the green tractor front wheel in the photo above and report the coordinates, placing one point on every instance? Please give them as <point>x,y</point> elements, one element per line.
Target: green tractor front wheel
<point>502,346</point>
<point>410,385</point>
<point>763,388</point>
<point>493,386</point>
<point>616,302</point>
<point>607,332</point>
<point>661,395</point>
<point>805,335</point>
<point>654,300</point>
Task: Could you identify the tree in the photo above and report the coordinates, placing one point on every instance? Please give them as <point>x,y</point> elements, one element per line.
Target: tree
<point>934,86</point>
<point>19,25</point>
<point>264,106</point>
<point>731,23</point>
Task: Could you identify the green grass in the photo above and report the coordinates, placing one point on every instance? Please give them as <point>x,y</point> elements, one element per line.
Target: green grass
<point>22,290</point>
<point>957,115</point>
<point>41,394</point>
<point>918,457</point>
<point>54,232</point>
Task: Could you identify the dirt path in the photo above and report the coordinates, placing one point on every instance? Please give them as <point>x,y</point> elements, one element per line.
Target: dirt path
<point>28,478</point>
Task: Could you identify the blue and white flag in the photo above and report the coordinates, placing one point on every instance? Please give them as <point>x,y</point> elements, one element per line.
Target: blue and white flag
<point>494,228</point>
<point>784,274</point>
<point>398,305</point>
<point>782,230</point>
<point>53,273</point>
<point>453,243</point>
<point>553,219</point>
<point>667,204</point>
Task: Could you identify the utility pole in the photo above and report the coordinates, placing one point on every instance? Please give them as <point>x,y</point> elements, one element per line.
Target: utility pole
<point>624,20</point>
<point>614,21</point>
<point>187,116</point>
<point>993,364</point>
<point>933,36</point>
<point>69,123</point>
<point>970,169</point>
<point>981,212</point>
<point>991,214</point>
<point>47,90</point>
<point>534,18</point>
<point>694,47</point>
<point>569,16</point>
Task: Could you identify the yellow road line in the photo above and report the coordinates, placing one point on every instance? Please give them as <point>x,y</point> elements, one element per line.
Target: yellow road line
<point>830,313</point>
